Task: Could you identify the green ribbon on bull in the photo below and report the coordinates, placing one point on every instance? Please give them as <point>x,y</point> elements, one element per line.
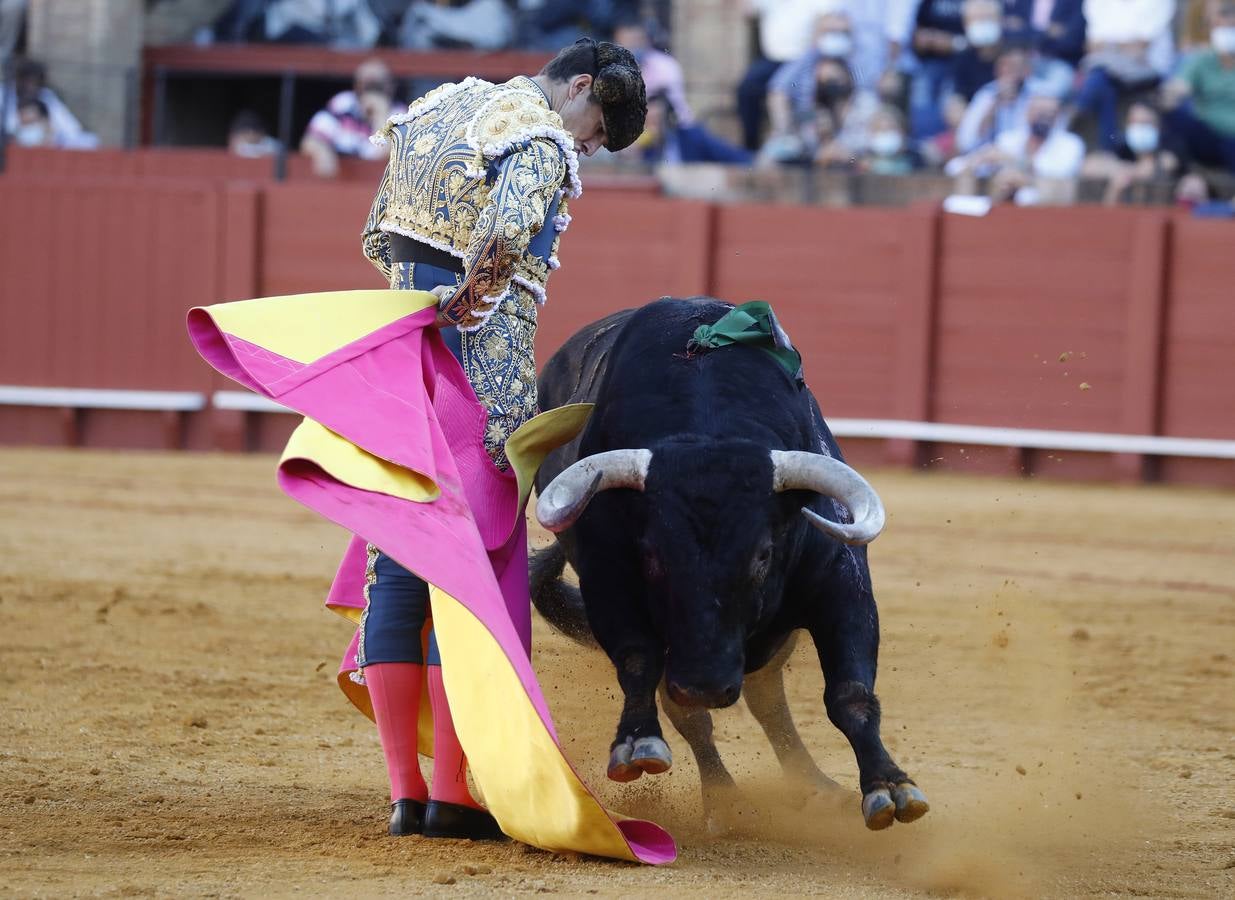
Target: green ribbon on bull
<point>755,325</point>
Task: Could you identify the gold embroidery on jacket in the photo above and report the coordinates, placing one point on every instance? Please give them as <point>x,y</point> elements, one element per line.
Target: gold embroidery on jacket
<point>474,170</point>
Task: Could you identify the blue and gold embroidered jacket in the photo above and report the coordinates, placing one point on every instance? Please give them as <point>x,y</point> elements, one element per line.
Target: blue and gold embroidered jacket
<point>483,172</point>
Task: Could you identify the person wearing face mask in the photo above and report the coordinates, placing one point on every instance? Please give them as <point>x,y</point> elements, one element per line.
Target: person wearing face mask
<point>1037,162</point>
<point>785,30</point>
<point>887,148</point>
<point>34,128</point>
<point>1144,155</point>
<point>1131,47</point>
<point>984,31</point>
<point>1200,99</point>
<point>30,83</point>
<point>839,127</point>
<point>791,92</point>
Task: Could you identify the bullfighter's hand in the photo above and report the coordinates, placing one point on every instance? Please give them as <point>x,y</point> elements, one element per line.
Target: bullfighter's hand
<point>440,293</point>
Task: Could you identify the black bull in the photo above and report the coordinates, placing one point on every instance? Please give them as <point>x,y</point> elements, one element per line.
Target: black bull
<point>703,542</point>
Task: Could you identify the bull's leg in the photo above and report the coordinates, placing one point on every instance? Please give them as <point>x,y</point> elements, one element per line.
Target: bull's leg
<point>845,629</point>
<point>719,790</point>
<point>764,691</point>
<point>639,658</point>
<point>639,745</point>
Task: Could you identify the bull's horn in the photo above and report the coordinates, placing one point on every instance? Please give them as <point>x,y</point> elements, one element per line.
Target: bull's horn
<point>798,470</point>
<point>564,500</point>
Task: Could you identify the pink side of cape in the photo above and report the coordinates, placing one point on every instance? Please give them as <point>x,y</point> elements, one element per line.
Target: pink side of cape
<point>473,535</point>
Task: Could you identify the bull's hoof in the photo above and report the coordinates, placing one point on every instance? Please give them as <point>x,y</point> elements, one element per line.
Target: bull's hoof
<point>620,766</point>
<point>651,754</point>
<point>878,809</point>
<point>631,758</point>
<point>911,803</point>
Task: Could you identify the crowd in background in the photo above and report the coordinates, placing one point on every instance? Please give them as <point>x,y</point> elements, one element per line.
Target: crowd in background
<point>1014,99</point>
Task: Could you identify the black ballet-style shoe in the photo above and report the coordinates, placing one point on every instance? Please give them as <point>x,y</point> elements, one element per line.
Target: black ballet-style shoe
<point>452,820</point>
<point>406,817</point>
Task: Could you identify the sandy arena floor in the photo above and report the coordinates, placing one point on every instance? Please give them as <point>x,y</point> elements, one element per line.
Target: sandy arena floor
<point>1056,673</point>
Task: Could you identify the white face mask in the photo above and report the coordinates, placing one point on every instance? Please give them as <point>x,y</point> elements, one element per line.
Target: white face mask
<point>984,33</point>
<point>1142,137</point>
<point>887,143</point>
<point>835,44</point>
<point>1223,39</point>
<point>33,134</point>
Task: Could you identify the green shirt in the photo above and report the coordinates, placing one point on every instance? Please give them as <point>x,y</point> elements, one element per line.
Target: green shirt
<point>1213,90</point>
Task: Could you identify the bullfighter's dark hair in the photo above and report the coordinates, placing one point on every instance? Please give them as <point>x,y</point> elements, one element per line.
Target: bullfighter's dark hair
<point>617,85</point>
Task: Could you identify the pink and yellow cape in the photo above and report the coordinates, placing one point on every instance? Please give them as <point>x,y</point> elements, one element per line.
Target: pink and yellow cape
<point>392,450</point>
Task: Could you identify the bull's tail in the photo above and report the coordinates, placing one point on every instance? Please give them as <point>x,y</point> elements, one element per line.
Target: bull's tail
<point>560,603</point>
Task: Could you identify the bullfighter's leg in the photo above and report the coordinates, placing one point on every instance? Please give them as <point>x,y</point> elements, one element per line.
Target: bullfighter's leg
<point>719,790</point>
<point>846,634</point>
<point>764,691</point>
<point>639,658</point>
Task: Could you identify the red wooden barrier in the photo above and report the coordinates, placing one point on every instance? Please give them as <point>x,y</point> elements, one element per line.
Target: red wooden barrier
<point>1082,320</point>
<point>835,282</point>
<point>97,278</point>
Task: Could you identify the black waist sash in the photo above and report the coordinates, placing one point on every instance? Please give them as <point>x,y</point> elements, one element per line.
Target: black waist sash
<point>406,249</point>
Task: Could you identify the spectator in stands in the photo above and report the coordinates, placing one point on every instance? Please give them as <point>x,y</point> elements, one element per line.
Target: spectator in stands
<point>247,136</point>
<point>344,126</point>
<point>662,74</point>
<point>786,28</point>
<point>834,132</point>
<point>1131,48</point>
<point>791,92</point>
<point>1192,26</point>
<point>341,23</point>
<point>1056,30</point>
<point>997,106</point>
<point>34,125</point>
<point>938,36</point>
<point>277,21</point>
<point>666,140</point>
<point>182,21</point>
<point>549,24</point>
<point>1036,163</point>
<point>888,151</point>
<point>30,83</point>
<point>880,31</point>
<point>984,33</point>
<point>1143,156</point>
<point>1201,98</point>
<point>474,24</point>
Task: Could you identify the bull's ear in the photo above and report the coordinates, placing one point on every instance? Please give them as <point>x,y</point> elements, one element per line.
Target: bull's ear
<point>567,496</point>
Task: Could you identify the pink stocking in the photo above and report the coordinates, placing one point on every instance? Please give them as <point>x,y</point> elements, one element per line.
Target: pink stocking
<point>394,689</point>
<point>449,763</point>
